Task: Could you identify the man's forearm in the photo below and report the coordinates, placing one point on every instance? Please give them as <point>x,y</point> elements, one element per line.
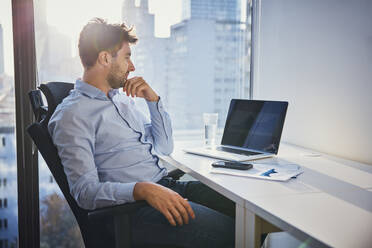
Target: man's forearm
<point>141,190</point>
<point>161,128</point>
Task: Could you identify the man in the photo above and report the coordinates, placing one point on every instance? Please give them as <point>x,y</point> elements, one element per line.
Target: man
<point>108,149</point>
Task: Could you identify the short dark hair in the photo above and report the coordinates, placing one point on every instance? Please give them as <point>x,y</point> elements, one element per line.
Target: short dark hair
<point>98,36</point>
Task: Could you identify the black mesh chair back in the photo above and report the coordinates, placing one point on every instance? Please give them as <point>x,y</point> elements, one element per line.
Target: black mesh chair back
<point>55,92</point>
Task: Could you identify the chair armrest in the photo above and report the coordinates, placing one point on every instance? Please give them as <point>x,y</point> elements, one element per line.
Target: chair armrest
<point>116,210</point>
<point>176,174</point>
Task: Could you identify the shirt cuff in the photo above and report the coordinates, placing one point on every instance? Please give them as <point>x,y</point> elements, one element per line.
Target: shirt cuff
<point>125,192</point>
<point>155,106</point>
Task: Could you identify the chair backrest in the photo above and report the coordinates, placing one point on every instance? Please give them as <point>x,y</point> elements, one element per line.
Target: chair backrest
<point>55,92</point>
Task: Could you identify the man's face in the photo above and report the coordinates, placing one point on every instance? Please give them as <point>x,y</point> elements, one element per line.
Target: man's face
<point>121,65</point>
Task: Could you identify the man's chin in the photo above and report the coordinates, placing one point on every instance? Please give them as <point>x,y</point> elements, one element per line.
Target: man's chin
<point>122,83</point>
<point>117,85</point>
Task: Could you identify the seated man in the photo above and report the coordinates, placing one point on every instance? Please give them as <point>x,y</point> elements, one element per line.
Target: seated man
<point>108,149</point>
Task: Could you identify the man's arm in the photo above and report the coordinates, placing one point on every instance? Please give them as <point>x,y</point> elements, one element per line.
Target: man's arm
<point>74,139</point>
<point>169,203</point>
<point>161,127</point>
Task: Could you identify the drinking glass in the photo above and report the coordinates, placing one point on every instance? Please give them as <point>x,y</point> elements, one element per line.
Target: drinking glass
<point>210,129</point>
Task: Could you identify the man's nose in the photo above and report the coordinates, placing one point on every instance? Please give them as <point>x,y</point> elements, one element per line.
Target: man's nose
<point>131,66</point>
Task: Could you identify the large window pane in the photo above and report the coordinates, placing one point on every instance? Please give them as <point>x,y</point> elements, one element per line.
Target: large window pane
<point>195,54</point>
<point>8,160</point>
<point>198,64</point>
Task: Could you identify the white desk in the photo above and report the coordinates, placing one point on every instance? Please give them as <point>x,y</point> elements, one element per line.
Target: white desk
<point>325,205</point>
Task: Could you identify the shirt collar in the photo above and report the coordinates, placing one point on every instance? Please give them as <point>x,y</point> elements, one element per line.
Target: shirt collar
<point>90,90</point>
<point>113,92</point>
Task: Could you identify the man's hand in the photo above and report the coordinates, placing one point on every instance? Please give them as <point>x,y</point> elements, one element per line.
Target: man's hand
<point>168,202</point>
<point>138,87</point>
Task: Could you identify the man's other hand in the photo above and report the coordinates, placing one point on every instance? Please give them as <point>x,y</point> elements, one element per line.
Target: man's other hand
<point>138,87</point>
<point>175,208</point>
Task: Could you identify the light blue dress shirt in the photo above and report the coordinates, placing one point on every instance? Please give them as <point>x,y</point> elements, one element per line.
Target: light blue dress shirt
<point>106,144</point>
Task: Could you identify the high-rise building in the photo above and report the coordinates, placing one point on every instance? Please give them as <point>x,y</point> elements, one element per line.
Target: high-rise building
<point>8,188</point>
<point>1,50</point>
<point>53,50</point>
<point>207,61</point>
<point>139,17</point>
<point>148,55</point>
<point>211,9</point>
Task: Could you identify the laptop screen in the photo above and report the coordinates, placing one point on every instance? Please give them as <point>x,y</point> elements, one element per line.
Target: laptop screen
<point>255,125</point>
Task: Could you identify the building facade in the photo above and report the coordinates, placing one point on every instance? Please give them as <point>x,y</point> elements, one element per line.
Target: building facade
<point>207,61</point>
<point>211,9</point>
<point>1,50</point>
<point>53,50</point>
<point>8,189</point>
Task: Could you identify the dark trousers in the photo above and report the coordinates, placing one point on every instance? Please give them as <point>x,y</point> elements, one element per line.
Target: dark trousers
<point>214,225</point>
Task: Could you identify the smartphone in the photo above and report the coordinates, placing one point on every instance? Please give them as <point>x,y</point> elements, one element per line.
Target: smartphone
<point>232,165</point>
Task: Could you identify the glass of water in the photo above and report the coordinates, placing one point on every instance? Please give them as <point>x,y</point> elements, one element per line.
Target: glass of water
<point>210,129</point>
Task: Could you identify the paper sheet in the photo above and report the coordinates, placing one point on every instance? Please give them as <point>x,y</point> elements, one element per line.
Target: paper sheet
<point>272,170</point>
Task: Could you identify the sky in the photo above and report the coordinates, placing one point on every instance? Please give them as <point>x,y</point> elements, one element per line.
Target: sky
<point>69,16</point>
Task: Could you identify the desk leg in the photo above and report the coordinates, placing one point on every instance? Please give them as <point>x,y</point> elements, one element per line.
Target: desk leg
<point>247,228</point>
<point>253,227</point>
<point>239,226</point>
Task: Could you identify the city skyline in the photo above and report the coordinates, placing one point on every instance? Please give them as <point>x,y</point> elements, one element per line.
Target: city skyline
<point>167,12</point>
<point>207,51</point>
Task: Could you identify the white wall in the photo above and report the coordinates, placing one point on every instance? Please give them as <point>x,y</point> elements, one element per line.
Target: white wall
<point>318,56</point>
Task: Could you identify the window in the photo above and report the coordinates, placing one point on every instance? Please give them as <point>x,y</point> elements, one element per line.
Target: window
<point>8,163</point>
<point>176,54</point>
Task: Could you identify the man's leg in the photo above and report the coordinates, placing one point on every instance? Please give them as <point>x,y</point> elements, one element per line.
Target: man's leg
<point>209,229</point>
<point>202,194</point>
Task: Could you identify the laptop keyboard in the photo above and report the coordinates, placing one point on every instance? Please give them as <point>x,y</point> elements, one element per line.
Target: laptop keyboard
<point>236,151</point>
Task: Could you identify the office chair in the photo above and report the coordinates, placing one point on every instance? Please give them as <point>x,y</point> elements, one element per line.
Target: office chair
<point>94,225</point>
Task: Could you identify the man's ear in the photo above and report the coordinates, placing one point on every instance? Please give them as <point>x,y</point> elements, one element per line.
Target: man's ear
<point>104,58</point>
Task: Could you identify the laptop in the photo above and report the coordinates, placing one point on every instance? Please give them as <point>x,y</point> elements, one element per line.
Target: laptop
<point>252,131</point>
